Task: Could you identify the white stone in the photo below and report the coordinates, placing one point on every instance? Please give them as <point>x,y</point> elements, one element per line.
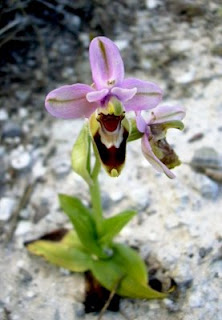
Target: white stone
<point>7,205</point>
<point>20,159</point>
<point>186,77</point>
<point>23,112</point>
<point>30,294</point>
<point>152,4</point>
<point>122,44</point>
<point>23,228</point>
<point>183,272</point>
<point>3,115</point>
<point>172,221</point>
<point>196,300</point>
<point>84,38</point>
<point>38,170</point>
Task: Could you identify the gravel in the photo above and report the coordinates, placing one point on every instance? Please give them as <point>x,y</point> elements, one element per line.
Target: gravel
<point>178,228</point>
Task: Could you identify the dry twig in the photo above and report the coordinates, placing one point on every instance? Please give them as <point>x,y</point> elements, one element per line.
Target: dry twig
<point>112,293</point>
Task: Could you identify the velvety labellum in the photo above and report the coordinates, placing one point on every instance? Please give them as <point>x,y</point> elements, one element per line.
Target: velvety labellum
<point>113,157</point>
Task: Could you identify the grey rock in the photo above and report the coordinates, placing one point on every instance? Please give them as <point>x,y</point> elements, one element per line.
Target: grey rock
<point>67,72</point>
<point>41,208</point>
<point>203,252</point>
<point>25,276</point>
<point>171,305</point>
<point>3,165</point>
<point>11,130</point>
<point>106,200</point>
<point>2,152</point>
<point>217,49</point>
<point>23,95</point>
<point>188,7</point>
<point>210,190</point>
<point>74,21</point>
<point>206,157</point>
<point>79,310</point>
<point>57,315</point>
<point>216,268</point>
<point>205,186</point>
<point>61,168</point>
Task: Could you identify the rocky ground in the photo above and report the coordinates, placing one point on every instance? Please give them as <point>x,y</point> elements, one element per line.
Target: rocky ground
<point>178,229</point>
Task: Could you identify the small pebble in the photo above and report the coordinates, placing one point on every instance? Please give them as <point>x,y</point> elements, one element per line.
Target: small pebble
<point>171,305</point>
<point>3,115</point>
<point>152,4</point>
<point>171,222</point>
<point>196,300</point>
<point>7,205</point>
<point>23,112</point>
<point>61,169</point>
<point>23,228</point>
<point>11,130</point>
<point>122,44</point>
<point>23,95</point>
<point>205,186</point>
<point>20,159</point>
<point>79,310</point>
<point>38,170</point>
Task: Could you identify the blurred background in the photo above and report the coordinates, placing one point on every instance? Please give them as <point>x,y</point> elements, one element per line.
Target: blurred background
<point>175,43</point>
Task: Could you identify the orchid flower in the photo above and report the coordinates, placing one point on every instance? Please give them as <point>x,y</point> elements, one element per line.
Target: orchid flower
<point>105,102</point>
<point>154,145</point>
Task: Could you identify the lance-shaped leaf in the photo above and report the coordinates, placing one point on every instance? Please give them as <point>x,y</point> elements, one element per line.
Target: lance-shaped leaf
<point>81,155</point>
<point>112,226</point>
<point>125,272</point>
<point>82,220</point>
<point>67,253</point>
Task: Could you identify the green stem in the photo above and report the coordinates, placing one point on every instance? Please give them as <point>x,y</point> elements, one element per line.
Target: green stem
<point>96,196</point>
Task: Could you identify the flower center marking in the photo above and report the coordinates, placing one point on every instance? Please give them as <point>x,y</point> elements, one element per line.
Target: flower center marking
<point>110,122</point>
<point>103,50</point>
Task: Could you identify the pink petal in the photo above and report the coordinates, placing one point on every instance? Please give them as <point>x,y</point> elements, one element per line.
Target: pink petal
<point>106,63</point>
<point>153,160</point>
<point>97,95</point>
<point>70,102</point>
<point>166,113</point>
<point>140,122</point>
<point>147,97</point>
<point>123,94</point>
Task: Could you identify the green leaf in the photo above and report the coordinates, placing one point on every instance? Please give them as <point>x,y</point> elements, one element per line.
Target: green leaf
<point>81,218</point>
<point>135,134</point>
<point>112,226</point>
<point>81,155</point>
<point>132,261</point>
<point>72,240</point>
<point>59,253</point>
<point>125,272</point>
